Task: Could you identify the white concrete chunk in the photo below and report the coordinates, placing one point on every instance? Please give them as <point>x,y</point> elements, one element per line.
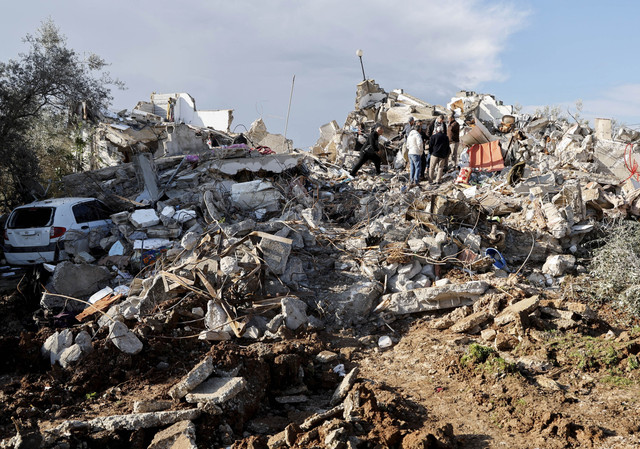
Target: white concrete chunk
<point>294,311</point>
<point>433,298</point>
<point>124,339</point>
<point>144,218</point>
<point>217,390</point>
<point>194,378</point>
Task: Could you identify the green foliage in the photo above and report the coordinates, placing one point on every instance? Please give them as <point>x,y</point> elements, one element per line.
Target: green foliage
<point>476,354</point>
<point>92,395</point>
<point>615,266</point>
<point>632,363</point>
<point>45,95</point>
<point>618,381</point>
<point>485,359</point>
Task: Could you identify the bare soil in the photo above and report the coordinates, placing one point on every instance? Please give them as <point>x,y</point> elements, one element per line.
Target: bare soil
<point>552,389</point>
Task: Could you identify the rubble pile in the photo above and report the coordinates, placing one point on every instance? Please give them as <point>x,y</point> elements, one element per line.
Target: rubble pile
<point>228,265</point>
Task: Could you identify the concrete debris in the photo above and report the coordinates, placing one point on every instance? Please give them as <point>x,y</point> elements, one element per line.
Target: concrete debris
<point>216,390</point>
<point>56,344</point>
<point>559,264</point>
<point>196,376</point>
<point>274,242</point>
<point>124,339</point>
<point>181,435</point>
<point>142,420</point>
<point>151,406</point>
<point>294,311</point>
<point>78,280</point>
<point>345,386</point>
<point>433,298</point>
<point>515,311</point>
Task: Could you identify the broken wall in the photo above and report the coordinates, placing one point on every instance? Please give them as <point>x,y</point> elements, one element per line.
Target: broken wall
<point>185,112</point>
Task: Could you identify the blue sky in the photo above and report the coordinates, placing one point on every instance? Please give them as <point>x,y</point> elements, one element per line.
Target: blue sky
<point>242,54</point>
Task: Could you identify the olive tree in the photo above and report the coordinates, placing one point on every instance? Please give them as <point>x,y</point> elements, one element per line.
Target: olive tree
<point>44,95</point>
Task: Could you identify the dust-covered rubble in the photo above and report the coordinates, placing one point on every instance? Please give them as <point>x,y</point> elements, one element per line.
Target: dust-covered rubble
<point>224,242</point>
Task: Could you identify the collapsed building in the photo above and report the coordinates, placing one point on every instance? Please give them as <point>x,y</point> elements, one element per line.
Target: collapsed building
<point>255,242</point>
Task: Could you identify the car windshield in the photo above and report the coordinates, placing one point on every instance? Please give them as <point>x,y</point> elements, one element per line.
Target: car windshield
<point>31,217</point>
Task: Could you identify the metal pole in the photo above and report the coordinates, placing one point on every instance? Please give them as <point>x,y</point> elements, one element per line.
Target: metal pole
<point>286,125</point>
<point>364,78</point>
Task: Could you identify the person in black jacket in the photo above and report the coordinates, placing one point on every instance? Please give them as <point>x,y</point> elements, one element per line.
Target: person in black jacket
<point>370,152</point>
<point>424,159</point>
<point>439,149</point>
<point>438,121</point>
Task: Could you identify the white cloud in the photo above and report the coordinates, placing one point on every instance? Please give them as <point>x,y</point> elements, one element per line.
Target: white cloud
<point>621,102</point>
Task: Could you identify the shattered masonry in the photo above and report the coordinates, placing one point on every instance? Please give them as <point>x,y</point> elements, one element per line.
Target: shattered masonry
<point>222,241</point>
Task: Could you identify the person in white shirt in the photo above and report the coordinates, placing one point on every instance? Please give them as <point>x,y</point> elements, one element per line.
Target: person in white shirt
<point>415,148</point>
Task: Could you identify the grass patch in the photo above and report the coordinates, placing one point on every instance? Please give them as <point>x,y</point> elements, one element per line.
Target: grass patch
<point>617,380</point>
<point>485,359</point>
<point>632,363</point>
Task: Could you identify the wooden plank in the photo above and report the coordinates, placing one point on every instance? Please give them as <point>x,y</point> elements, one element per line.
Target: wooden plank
<point>98,306</point>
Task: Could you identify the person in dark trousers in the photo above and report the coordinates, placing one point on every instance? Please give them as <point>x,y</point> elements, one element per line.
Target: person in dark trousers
<point>370,152</point>
<point>424,159</point>
<point>439,149</point>
<point>453,132</point>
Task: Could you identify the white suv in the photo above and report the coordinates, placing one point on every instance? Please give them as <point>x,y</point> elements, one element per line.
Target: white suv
<point>33,232</point>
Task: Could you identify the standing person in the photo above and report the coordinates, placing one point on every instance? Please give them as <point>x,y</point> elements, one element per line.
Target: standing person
<point>453,133</point>
<point>439,148</point>
<point>424,159</point>
<point>405,135</point>
<point>415,147</point>
<point>408,127</point>
<point>370,152</point>
<point>439,121</point>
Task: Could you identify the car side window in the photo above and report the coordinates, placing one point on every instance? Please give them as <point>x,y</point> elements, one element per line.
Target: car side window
<point>90,211</point>
<point>82,213</point>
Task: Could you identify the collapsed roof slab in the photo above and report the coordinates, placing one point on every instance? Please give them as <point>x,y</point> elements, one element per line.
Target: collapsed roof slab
<point>274,163</point>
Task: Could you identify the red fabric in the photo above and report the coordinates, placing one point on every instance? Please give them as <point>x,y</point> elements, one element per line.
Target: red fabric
<point>486,157</point>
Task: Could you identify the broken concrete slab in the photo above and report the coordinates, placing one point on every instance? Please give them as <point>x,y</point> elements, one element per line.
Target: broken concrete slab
<point>71,355</point>
<point>275,163</point>
<point>326,356</point>
<point>124,339</point>
<point>216,390</point>
<point>471,321</point>
<point>181,435</point>
<point>55,345</point>
<point>433,298</point>
<point>295,312</point>
<point>144,218</point>
<point>142,420</point>
<point>358,301</point>
<point>258,194</point>
<point>275,254</point>
<point>216,319</point>
<point>78,280</point>
<point>155,405</point>
<point>514,311</point>
<point>558,265</point>
<point>83,339</point>
<point>53,302</point>
<point>344,387</point>
<point>195,377</point>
